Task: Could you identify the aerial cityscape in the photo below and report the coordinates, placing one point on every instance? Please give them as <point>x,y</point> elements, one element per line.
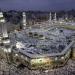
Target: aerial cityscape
<point>37,41</point>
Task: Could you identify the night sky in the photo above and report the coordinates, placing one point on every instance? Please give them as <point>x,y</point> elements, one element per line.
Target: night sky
<point>43,5</point>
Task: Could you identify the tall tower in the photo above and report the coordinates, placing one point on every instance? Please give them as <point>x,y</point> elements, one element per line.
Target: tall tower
<point>24,20</point>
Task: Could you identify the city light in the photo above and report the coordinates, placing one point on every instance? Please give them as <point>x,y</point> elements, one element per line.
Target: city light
<point>19,45</point>
<point>7,50</point>
<point>61,22</point>
<point>2,20</point>
<point>56,58</point>
<point>41,60</point>
<point>16,54</point>
<point>6,41</point>
<point>1,14</point>
<point>62,57</point>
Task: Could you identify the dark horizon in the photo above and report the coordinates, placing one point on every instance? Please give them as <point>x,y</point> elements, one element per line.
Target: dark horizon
<point>37,5</point>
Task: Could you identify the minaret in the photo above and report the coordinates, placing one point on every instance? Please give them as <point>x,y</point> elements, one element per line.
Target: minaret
<point>24,20</point>
<point>5,38</point>
<point>66,16</point>
<point>4,28</point>
<point>50,17</point>
<point>55,17</point>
